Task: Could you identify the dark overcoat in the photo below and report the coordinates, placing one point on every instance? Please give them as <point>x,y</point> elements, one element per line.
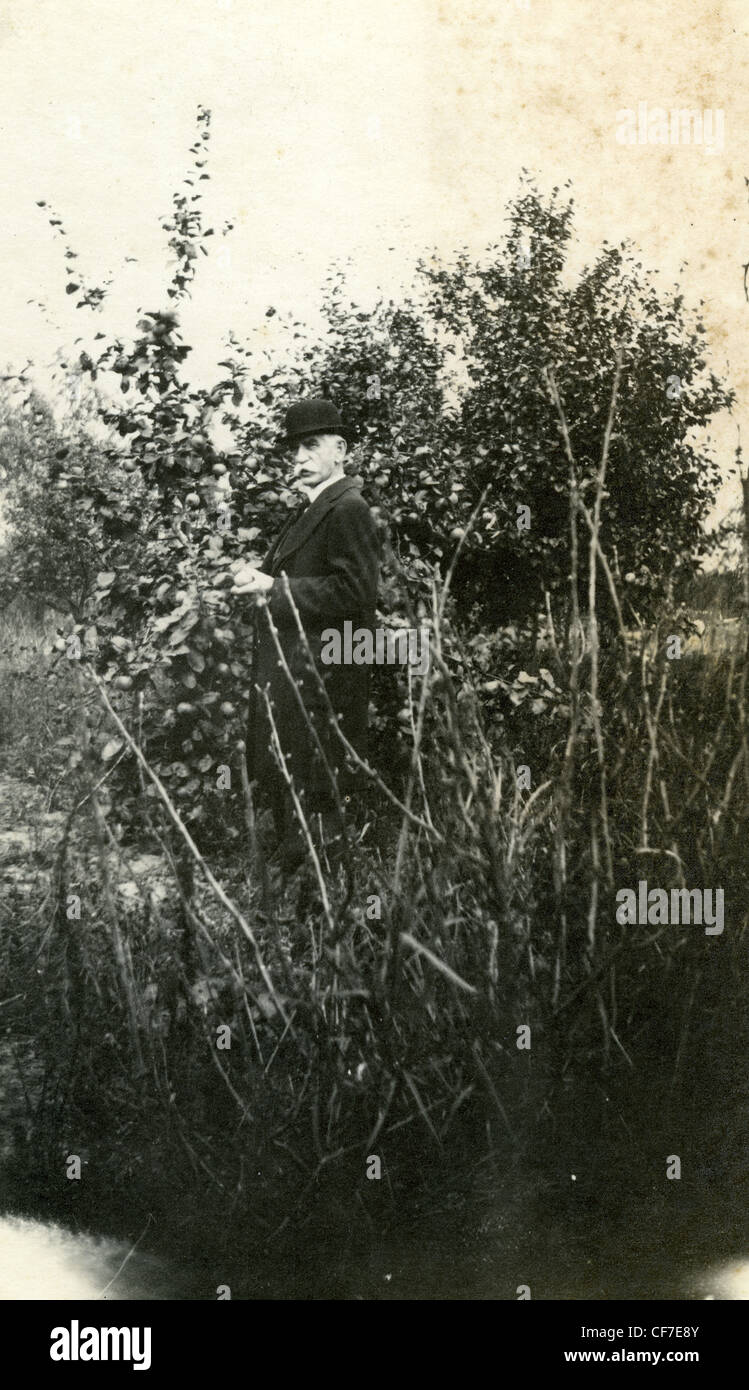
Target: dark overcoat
<point>327,561</point>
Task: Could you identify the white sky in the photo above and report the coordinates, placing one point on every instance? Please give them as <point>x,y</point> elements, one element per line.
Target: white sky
<point>365,130</point>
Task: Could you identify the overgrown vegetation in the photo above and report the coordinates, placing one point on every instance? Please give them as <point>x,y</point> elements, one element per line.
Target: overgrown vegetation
<point>556,751</point>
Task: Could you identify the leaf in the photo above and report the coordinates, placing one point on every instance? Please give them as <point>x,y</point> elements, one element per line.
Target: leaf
<point>111,749</point>
<point>105,577</point>
<point>160,682</point>
<point>178,634</point>
<point>181,612</point>
<point>196,660</point>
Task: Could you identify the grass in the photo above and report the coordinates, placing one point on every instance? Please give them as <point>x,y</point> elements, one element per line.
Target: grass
<point>354,1034</point>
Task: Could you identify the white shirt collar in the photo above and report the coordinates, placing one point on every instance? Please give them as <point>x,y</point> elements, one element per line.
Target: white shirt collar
<point>315,491</point>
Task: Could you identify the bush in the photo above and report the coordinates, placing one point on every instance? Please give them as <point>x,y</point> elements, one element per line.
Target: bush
<point>460,396</point>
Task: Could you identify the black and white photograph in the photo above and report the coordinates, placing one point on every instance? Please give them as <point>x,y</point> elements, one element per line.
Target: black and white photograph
<point>374,643</point>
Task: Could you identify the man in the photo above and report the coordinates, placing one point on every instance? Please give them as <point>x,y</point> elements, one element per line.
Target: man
<point>324,564</point>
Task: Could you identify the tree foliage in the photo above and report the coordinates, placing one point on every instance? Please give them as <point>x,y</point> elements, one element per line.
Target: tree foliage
<point>449,391</point>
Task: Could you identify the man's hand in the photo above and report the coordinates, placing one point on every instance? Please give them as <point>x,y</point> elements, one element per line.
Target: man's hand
<point>250,580</point>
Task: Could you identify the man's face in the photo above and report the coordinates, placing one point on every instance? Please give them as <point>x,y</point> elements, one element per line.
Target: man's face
<point>316,459</point>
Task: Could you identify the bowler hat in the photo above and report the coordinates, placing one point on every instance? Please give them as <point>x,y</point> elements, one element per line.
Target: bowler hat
<point>315,415</point>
